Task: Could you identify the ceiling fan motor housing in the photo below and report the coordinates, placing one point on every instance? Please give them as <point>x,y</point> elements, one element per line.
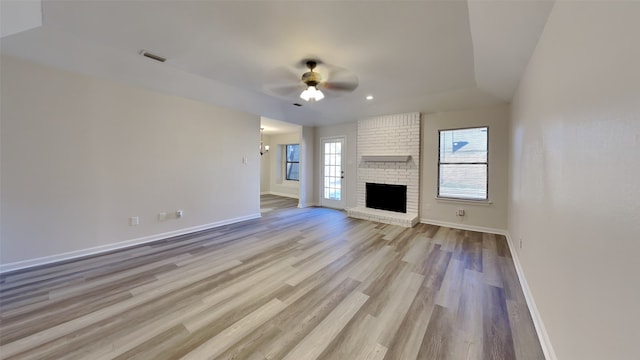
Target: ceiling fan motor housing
<point>311,78</point>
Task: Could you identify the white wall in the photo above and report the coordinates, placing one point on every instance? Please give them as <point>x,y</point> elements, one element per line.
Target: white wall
<point>81,155</point>
<point>491,216</point>
<point>19,15</point>
<point>307,169</point>
<point>350,132</point>
<point>278,185</point>
<point>575,179</point>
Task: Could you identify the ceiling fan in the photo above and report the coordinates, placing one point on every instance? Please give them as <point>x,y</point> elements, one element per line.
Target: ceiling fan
<point>319,80</point>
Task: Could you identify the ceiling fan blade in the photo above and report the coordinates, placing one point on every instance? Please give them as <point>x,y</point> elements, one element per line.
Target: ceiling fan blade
<point>286,90</point>
<point>340,86</point>
<point>281,75</point>
<point>340,79</point>
<point>283,82</point>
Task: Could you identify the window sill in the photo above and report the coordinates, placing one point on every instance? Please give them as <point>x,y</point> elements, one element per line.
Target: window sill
<point>464,201</point>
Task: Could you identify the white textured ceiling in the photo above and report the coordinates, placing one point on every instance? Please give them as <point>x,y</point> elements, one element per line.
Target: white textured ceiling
<point>410,55</point>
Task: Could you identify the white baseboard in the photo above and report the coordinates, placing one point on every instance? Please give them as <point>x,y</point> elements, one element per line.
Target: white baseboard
<point>464,226</point>
<point>543,336</point>
<point>119,245</point>
<point>309,204</point>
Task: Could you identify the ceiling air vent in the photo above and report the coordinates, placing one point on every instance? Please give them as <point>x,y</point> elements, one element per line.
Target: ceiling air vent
<point>152,56</point>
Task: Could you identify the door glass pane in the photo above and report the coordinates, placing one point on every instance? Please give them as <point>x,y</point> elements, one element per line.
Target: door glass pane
<point>333,171</point>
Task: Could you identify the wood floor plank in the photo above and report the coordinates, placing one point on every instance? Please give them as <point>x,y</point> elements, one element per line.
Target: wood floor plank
<point>419,250</point>
<point>314,344</point>
<point>301,317</point>
<point>366,265</point>
<point>139,336</point>
<point>472,245</point>
<point>178,279</point>
<point>491,268</point>
<point>155,346</point>
<point>468,322</point>
<point>366,331</point>
<point>502,247</point>
<point>435,266</point>
<point>353,341</point>
<point>399,303</point>
<point>523,331</point>
<point>408,340</point>
<point>234,333</point>
<point>438,337</point>
<point>511,282</point>
<point>497,336</point>
<point>294,284</point>
<point>376,352</point>
<point>450,291</point>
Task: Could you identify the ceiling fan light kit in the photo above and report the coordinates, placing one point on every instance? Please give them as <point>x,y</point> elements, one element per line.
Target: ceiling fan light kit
<point>312,94</point>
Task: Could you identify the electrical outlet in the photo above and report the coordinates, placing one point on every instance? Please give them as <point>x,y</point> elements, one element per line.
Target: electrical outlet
<point>162,216</point>
<point>134,220</point>
<point>460,212</point>
<point>179,214</point>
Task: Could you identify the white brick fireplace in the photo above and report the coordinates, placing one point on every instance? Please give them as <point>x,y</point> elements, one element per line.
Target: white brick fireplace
<point>388,152</point>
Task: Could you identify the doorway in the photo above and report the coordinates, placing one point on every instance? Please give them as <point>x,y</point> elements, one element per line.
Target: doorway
<point>332,192</point>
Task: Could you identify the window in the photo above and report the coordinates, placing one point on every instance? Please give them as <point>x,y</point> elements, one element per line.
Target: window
<point>292,153</point>
<point>463,164</point>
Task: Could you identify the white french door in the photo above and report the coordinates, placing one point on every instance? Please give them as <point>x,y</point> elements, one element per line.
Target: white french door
<point>333,189</point>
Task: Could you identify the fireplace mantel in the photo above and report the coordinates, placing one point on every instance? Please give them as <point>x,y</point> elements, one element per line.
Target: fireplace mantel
<point>389,158</point>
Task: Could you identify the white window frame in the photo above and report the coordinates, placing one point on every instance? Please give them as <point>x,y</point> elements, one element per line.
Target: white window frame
<point>485,163</point>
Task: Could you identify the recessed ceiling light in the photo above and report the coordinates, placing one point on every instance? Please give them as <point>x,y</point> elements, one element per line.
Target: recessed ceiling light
<point>369,97</point>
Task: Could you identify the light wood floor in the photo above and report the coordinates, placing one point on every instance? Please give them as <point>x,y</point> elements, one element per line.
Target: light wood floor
<point>296,284</point>
<point>273,202</point>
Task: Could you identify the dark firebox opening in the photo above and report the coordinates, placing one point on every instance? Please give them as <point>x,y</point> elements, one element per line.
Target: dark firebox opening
<point>386,197</point>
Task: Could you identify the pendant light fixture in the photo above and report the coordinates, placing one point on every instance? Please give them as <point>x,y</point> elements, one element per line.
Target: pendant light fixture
<point>263,148</point>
